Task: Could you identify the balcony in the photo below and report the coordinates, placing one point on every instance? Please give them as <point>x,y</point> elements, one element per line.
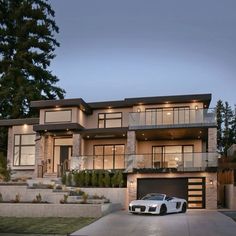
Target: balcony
<point>178,162</point>
<point>171,118</point>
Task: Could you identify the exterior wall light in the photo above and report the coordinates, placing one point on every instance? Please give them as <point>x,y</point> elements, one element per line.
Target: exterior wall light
<point>131,182</point>
<point>138,109</point>
<point>211,182</point>
<point>196,107</point>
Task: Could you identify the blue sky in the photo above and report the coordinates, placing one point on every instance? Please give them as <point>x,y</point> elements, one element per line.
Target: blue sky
<point>132,48</point>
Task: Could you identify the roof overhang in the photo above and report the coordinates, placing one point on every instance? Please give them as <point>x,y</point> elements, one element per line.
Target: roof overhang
<point>77,102</point>
<point>58,127</point>
<point>13,122</point>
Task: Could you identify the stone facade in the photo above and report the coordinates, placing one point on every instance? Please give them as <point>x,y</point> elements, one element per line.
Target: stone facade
<point>212,140</point>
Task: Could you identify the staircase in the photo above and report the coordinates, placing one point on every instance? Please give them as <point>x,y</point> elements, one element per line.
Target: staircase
<point>50,176</point>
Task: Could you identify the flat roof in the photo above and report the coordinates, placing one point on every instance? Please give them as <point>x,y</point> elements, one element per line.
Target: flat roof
<point>127,102</point>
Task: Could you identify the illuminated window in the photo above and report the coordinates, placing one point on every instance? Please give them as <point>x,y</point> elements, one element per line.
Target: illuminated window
<point>109,157</point>
<point>58,116</point>
<point>24,150</point>
<point>109,120</point>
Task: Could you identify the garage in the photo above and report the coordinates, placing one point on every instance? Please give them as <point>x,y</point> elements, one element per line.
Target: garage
<point>191,189</point>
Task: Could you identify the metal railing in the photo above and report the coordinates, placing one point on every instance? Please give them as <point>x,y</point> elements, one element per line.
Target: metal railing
<point>161,117</point>
<point>178,161</point>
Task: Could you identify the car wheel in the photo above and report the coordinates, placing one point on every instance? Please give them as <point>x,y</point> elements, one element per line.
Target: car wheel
<point>184,207</point>
<point>163,210</point>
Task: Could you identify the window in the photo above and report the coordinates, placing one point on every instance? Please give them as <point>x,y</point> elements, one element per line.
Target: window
<point>172,156</point>
<point>58,116</point>
<point>109,120</point>
<point>24,150</point>
<point>170,115</point>
<point>109,157</point>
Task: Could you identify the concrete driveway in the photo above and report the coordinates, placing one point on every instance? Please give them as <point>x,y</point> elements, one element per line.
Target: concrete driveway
<point>193,223</point>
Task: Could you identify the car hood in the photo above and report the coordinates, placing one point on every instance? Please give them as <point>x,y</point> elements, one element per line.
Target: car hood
<point>146,202</point>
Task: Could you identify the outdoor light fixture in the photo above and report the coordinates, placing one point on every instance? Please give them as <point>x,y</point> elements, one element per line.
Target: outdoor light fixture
<point>131,182</point>
<point>196,107</point>
<point>138,109</point>
<point>211,182</point>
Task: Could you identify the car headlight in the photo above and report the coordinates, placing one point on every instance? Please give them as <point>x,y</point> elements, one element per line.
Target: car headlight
<point>154,205</point>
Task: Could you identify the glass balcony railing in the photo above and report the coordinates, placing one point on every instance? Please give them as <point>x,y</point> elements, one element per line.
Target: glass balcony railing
<point>177,161</point>
<point>173,116</point>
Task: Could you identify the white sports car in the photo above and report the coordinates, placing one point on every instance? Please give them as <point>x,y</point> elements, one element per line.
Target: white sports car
<point>155,203</point>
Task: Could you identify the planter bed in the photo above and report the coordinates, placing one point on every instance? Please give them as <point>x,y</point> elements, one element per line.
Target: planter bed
<point>56,210</point>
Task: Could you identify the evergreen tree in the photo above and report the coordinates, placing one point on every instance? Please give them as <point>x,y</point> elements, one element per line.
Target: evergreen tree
<point>219,119</point>
<point>27,45</point>
<point>228,115</point>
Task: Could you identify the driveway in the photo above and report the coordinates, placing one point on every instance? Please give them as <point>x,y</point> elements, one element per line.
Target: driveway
<point>193,223</point>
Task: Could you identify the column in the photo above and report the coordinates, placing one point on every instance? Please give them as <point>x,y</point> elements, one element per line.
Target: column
<point>39,153</point>
<point>130,150</point>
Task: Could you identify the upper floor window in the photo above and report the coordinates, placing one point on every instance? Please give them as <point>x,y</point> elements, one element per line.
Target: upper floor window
<point>109,120</point>
<point>170,115</point>
<point>24,150</point>
<point>58,116</point>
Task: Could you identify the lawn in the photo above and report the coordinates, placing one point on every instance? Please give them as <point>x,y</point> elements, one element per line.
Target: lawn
<point>50,225</point>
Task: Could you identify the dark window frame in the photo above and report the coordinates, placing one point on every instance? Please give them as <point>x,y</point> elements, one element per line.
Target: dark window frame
<point>113,155</point>
<point>20,146</point>
<point>107,119</point>
<point>172,109</point>
<point>163,153</point>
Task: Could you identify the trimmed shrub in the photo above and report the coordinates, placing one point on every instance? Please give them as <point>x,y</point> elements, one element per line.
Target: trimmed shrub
<point>120,179</point>
<point>94,179</point>
<point>76,179</point>
<point>107,180</point>
<point>87,178</point>
<point>64,179</point>
<point>100,179</point>
<point>69,179</point>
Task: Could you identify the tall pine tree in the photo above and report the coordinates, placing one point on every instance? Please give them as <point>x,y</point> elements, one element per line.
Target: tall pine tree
<point>27,45</point>
<point>219,119</point>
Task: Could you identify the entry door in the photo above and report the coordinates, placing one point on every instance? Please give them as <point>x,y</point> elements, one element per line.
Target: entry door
<point>65,153</point>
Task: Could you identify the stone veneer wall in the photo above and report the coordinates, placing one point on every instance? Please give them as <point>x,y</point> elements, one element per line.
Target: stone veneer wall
<point>211,189</point>
<point>212,140</point>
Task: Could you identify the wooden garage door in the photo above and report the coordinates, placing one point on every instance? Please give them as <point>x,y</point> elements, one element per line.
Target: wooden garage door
<point>176,187</point>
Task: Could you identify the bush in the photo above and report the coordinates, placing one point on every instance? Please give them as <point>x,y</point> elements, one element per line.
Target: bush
<point>94,179</point>
<point>69,179</point>
<point>100,179</point>
<point>107,179</point>
<point>120,179</point>
<point>114,180</point>
<point>17,198</point>
<point>5,171</point>
<point>76,179</point>
<point>65,199</point>
<point>87,179</point>
<point>85,197</point>
<point>37,199</point>
<point>64,179</point>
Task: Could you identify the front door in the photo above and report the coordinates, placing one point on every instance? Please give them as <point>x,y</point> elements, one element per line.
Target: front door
<point>62,153</point>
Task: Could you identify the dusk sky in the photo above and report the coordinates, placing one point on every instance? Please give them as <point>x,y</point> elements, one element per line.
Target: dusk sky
<point>112,50</point>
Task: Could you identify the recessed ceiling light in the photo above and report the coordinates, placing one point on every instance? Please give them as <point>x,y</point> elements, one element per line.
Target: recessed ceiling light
<point>146,139</point>
<point>123,135</point>
<point>87,136</point>
<point>143,134</point>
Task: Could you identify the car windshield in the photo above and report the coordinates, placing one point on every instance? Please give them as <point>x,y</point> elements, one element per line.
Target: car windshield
<point>157,197</point>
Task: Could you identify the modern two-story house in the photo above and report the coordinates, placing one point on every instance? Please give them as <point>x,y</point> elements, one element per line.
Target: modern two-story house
<point>164,144</point>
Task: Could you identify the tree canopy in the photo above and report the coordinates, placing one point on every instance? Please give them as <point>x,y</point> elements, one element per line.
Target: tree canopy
<point>226,126</point>
<point>27,45</point>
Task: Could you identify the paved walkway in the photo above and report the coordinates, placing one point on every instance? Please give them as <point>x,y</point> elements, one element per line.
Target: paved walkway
<point>193,223</point>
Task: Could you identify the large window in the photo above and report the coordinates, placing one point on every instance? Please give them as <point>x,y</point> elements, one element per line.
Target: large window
<point>109,157</point>
<point>109,120</point>
<point>58,116</point>
<point>24,150</point>
<point>170,115</point>
<point>172,156</point>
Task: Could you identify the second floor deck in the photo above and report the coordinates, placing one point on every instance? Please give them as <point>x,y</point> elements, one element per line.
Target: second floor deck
<point>174,117</point>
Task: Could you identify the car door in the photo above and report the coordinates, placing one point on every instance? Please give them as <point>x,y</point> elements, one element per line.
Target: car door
<point>171,205</point>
